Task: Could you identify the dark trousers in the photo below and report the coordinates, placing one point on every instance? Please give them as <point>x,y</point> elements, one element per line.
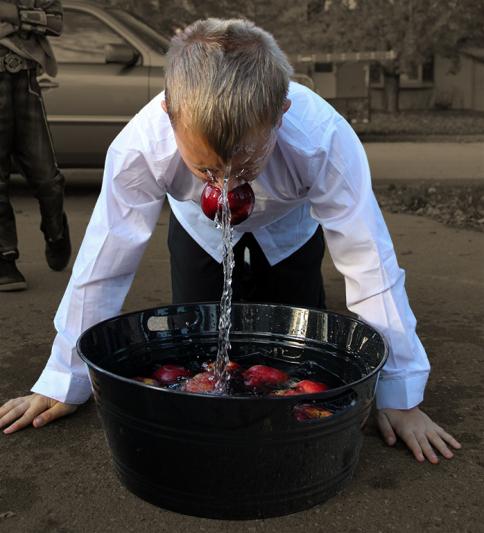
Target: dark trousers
<point>25,137</point>
<point>197,277</point>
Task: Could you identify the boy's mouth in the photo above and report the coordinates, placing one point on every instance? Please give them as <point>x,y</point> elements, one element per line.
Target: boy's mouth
<point>241,201</point>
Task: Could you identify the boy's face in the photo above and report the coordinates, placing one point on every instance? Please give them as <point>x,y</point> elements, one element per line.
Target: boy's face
<point>247,163</point>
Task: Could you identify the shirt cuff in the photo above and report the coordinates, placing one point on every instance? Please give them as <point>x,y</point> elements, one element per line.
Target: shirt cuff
<point>402,392</point>
<point>63,387</point>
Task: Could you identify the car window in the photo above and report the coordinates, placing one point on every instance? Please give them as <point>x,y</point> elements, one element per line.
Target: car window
<point>141,29</point>
<point>83,38</point>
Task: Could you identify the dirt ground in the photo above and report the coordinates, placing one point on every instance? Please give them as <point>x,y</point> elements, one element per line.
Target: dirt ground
<point>455,204</point>
<point>60,479</point>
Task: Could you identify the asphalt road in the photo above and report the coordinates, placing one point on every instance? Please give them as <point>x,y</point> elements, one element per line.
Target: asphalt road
<point>428,160</point>
<point>59,478</point>
<point>388,161</point>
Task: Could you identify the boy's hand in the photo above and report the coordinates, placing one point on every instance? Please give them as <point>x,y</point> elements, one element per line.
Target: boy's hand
<point>418,432</point>
<point>34,409</point>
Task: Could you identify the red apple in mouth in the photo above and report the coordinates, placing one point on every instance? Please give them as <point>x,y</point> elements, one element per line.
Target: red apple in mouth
<point>241,202</point>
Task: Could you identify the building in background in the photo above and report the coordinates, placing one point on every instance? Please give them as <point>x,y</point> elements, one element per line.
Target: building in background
<point>433,85</point>
<point>465,88</point>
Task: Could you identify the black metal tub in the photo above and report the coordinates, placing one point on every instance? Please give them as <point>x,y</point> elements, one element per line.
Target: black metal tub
<point>232,457</point>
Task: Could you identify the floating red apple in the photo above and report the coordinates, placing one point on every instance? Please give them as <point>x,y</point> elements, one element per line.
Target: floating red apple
<point>305,386</point>
<point>310,387</point>
<point>241,202</point>
<point>260,376</point>
<point>231,367</point>
<point>203,382</point>
<point>168,374</point>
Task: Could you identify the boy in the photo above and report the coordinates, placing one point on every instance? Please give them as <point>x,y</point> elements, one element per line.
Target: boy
<point>228,101</point>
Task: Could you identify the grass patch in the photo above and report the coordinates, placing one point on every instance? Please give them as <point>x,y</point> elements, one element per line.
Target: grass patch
<point>460,206</point>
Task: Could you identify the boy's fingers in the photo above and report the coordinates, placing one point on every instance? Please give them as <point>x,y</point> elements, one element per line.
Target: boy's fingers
<point>12,415</point>
<point>440,445</point>
<point>427,449</point>
<point>386,429</point>
<point>8,406</point>
<point>5,408</point>
<point>35,410</point>
<point>23,421</point>
<point>449,439</point>
<point>411,441</point>
<point>58,410</point>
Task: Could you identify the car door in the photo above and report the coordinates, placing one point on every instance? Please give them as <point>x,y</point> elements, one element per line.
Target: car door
<point>90,101</point>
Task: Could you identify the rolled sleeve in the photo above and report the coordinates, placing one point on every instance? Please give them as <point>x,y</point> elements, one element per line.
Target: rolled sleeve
<point>402,392</point>
<point>63,386</point>
<point>343,202</point>
<point>122,222</point>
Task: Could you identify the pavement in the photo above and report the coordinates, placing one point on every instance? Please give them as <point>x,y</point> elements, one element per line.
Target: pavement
<point>427,160</point>
<point>60,479</point>
<point>446,161</point>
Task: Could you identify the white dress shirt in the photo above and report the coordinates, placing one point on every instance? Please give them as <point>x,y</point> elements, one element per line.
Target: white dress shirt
<point>317,174</point>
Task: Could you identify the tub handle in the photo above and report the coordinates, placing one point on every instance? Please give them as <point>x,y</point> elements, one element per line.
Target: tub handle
<point>182,322</point>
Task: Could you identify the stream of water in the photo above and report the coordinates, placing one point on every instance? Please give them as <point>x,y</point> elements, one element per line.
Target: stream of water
<point>223,222</point>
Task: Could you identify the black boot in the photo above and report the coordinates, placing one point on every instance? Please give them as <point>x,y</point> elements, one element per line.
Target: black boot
<point>50,194</point>
<point>11,278</point>
<point>58,251</point>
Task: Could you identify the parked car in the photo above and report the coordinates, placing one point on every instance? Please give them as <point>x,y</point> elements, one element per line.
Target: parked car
<point>110,65</point>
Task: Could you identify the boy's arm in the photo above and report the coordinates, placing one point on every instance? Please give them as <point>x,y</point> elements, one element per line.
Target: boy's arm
<point>122,222</point>
<point>343,202</point>
<point>360,245</point>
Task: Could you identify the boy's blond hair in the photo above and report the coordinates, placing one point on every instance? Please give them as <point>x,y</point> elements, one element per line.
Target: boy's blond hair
<point>226,79</point>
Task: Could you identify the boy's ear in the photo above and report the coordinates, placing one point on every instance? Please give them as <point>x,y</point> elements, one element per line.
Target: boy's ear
<point>163,106</point>
<point>285,107</point>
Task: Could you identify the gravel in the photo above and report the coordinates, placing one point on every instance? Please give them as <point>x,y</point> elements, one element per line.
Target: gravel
<point>422,124</point>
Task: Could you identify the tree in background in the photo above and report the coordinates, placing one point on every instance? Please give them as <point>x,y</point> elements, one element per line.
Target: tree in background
<point>283,18</point>
<point>415,30</point>
<point>163,15</point>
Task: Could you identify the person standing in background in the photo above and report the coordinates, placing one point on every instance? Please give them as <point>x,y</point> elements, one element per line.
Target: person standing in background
<point>24,133</point>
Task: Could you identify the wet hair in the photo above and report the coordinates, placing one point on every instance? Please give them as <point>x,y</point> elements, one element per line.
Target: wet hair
<point>226,79</point>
